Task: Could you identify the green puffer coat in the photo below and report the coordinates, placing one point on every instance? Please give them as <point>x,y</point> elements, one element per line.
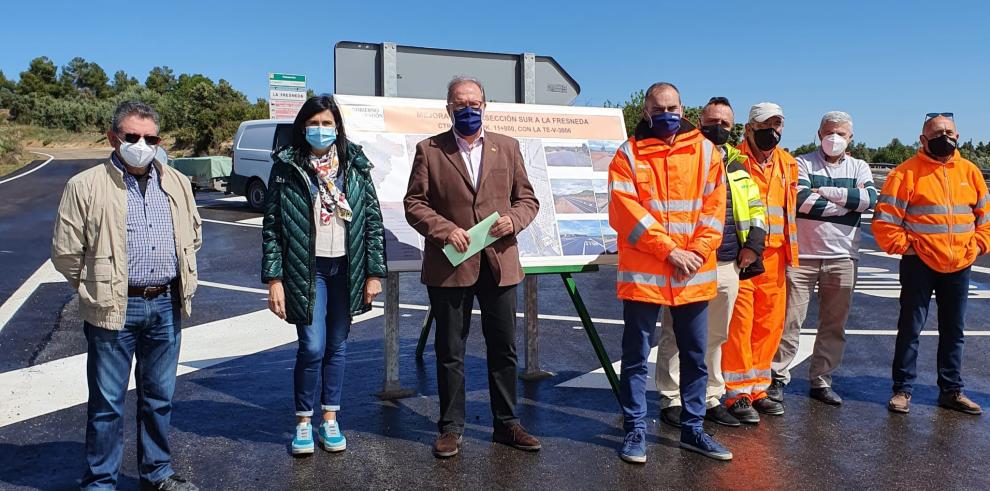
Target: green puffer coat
<point>289,232</point>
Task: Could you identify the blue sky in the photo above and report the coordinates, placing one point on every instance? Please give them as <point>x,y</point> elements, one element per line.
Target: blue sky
<point>887,63</point>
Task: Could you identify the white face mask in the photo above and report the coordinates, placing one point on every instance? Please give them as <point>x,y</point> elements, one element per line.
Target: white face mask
<point>138,154</point>
<point>834,145</point>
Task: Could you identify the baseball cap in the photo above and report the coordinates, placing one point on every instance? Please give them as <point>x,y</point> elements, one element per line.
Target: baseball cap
<point>764,111</point>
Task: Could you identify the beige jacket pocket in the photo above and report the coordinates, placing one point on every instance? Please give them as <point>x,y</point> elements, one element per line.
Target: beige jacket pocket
<point>190,277</point>
<point>95,282</point>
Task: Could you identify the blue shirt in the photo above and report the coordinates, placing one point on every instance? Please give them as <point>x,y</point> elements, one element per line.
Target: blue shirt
<point>151,259</point>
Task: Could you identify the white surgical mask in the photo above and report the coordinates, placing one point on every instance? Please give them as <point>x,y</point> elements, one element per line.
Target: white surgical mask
<point>138,154</point>
<point>834,145</point>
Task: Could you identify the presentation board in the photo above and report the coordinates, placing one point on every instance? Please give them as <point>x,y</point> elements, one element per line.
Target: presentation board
<point>567,151</point>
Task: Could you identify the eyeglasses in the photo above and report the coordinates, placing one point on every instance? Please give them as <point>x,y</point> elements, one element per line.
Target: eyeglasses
<point>935,115</point>
<point>472,105</point>
<point>149,139</point>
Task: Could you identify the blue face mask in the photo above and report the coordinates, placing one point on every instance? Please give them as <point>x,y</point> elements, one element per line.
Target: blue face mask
<point>665,124</point>
<point>467,121</point>
<point>320,137</point>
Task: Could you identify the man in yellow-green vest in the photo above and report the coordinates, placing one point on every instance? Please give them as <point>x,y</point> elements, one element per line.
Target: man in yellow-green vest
<point>739,254</point>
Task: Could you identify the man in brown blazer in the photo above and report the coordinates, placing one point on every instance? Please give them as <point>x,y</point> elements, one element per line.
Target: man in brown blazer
<point>459,178</point>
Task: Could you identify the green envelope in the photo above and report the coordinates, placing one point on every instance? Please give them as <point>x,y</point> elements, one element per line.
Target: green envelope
<point>480,239</point>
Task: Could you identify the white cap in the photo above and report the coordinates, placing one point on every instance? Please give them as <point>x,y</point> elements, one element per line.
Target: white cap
<point>764,111</point>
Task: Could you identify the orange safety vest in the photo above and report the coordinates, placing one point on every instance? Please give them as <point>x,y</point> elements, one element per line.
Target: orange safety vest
<point>664,197</point>
<point>941,210</point>
<point>778,189</point>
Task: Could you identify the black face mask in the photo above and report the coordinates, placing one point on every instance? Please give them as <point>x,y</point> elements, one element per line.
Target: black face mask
<point>766,139</point>
<point>715,134</point>
<point>942,146</point>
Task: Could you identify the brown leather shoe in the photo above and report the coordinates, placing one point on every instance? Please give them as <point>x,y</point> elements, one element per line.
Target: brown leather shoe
<point>448,445</point>
<point>516,437</point>
<point>900,403</point>
<point>957,401</point>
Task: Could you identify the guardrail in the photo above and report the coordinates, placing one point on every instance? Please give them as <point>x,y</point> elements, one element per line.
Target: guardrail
<point>885,166</point>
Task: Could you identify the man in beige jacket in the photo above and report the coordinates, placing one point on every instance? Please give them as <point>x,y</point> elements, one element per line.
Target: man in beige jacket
<point>126,237</point>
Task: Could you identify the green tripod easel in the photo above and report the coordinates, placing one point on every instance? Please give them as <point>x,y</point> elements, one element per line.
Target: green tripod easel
<point>533,371</point>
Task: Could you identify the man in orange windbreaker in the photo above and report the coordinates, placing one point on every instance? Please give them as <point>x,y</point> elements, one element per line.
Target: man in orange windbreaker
<point>667,202</point>
<point>758,319</point>
<point>934,210</point>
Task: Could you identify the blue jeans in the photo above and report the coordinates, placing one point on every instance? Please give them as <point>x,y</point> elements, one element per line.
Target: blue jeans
<point>323,344</point>
<point>151,334</point>
<point>638,336</point>
<point>918,281</point>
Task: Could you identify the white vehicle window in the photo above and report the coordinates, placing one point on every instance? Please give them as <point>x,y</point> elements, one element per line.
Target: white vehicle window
<point>256,138</point>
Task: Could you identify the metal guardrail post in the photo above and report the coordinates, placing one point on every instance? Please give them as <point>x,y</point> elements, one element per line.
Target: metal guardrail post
<point>531,334</point>
<point>528,78</point>
<point>390,72</point>
<point>391,388</point>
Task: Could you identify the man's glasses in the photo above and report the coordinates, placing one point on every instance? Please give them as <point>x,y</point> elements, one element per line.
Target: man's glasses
<point>149,139</point>
<point>935,115</point>
<point>457,107</point>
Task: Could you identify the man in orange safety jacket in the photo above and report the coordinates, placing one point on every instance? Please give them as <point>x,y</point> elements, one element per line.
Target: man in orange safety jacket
<point>934,210</point>
<point>667,203</point>
<point>758,318</point>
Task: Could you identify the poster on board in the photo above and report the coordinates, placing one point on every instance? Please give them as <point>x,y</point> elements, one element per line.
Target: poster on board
<point>567,151</point>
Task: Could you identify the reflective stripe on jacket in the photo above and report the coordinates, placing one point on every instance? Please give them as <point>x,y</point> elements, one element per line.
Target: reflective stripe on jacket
<point>664,197</point>
<point>941,210</point>
<point>748,209</point>
<point>777,182</point>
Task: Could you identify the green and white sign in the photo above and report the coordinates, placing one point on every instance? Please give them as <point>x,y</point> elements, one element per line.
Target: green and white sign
<point>286,94</point>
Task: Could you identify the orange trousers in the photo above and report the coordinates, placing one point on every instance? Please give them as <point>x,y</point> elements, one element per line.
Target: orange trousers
<point>755,330</point>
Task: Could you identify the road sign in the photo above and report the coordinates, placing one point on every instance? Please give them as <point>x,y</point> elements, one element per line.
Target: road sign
<point>286,94</point>
<point>286,80</point>
<point>392,70</point>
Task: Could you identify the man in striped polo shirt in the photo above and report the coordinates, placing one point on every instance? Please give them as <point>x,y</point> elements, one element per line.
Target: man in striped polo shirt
<point>834,189</point>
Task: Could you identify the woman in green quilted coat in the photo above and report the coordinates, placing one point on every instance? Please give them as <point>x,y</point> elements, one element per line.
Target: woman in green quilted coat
<point>324,257</point>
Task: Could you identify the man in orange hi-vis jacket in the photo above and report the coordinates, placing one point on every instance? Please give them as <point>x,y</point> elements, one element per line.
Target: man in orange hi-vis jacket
<point>934,210</point>
<point>758,319</point>
<point>666,202</point>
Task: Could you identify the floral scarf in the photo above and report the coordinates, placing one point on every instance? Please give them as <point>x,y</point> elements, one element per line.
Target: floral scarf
<point>332,198</point>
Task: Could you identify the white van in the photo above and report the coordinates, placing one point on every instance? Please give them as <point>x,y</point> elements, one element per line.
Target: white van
<point>253,146</point>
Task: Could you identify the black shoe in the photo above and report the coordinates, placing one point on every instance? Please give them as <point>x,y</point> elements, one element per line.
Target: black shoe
<point>720,415</point>
<point>766,406</point>
<point>744,412</point>
<point>671,416</point>
<point>776,391</point>
<point>174,482</point>
<point>826,395</point>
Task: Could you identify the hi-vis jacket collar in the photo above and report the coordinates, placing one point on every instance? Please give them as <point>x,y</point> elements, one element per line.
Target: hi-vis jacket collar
<point>928,159</point>
<point>646,143</point>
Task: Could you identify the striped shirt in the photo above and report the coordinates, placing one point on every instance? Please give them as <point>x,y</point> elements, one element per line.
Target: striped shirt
<point>151,259</point>
<point>828,220</point>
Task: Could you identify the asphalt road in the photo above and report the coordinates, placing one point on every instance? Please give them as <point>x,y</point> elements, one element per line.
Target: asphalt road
<point>233,413</point>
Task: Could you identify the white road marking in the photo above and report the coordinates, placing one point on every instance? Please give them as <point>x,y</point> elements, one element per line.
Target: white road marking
<point>232,287</point>
<point>42,389</point>
<point>596,379</point>
<point>252,221</point>
<point>50,158</point>
<point>232,223</point>
<point>45,274</point>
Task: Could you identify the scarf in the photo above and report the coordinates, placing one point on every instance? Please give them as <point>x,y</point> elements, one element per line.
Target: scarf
<point>332,199</point>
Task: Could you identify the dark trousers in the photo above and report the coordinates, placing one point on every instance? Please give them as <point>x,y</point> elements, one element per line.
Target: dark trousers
<point>151,335</point>
<point>918,281</point>
<point>452,310</point>
<point>639,336</point>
